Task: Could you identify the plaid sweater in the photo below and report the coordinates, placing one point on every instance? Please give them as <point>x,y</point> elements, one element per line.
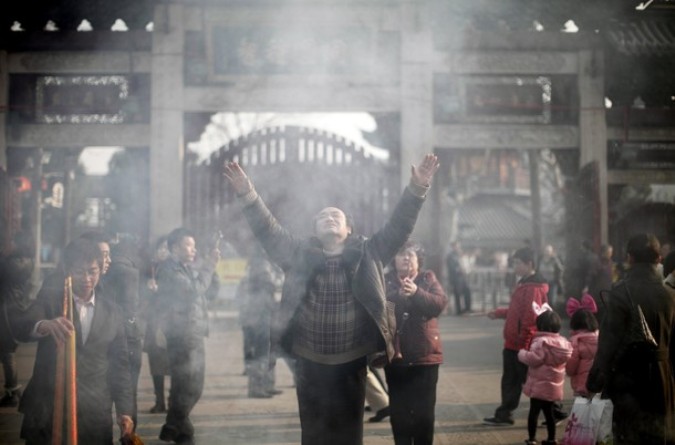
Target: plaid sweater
<point>332,327</point>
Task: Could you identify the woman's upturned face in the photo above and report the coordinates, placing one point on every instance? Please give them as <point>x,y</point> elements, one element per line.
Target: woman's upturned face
<point>406,262</point>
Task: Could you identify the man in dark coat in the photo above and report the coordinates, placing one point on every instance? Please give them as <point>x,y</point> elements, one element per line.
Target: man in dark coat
<point>183,290</point>
<point>121,285</point>
<point>640,385</point>
<point>102,362</point>
<point>16,271</point>
<point>256,308</point>
<point>333,310</point>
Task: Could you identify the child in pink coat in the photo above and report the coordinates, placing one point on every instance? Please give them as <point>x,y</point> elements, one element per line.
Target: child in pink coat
<point>584,341</point>
<point>546,359</point>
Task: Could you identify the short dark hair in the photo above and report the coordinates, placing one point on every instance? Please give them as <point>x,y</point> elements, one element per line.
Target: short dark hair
<point>549,321</point>
<point>177,235</point>
<point>584,319</point>
<point>81,251</point>
<point>161,240</point>
<point>668,264</point>
<point>644,248</point>
<point>415,247</point>
<point>524,254</point>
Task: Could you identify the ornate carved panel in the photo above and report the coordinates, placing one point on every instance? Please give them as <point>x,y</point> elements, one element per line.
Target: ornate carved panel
<point>80,99</point>
<point>486,99</point>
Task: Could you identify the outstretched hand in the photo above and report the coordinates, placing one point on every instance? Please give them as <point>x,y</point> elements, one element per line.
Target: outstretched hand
<point>238,178</point>
<point>425,170</point>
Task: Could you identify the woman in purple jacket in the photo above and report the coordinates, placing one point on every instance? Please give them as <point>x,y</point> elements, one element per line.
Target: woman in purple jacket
<point>413,374</point>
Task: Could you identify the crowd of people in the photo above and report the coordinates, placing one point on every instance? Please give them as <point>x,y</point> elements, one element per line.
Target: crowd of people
<point>337,306</point>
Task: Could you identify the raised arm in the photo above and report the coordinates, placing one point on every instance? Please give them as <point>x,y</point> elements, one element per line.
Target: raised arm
<point>402,221</point>
<point>274,238</point>
<point>423,173</point>
<point>238,178</point>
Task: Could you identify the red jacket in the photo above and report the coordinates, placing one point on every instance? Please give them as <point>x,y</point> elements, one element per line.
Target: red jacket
<point>546,366</point>
<point>520,324</point>
<point>584,347</point>
<point>420,337</point>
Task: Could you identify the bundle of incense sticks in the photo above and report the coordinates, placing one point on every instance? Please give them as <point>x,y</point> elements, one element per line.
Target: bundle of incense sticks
<point>65,384</point>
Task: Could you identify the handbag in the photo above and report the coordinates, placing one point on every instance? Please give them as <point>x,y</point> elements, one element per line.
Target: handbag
<point>585,421</point>
<point>638,340</point>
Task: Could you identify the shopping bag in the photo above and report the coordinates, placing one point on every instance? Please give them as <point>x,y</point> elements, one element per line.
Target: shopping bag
<point>583,422</point>
<point>605,436</point>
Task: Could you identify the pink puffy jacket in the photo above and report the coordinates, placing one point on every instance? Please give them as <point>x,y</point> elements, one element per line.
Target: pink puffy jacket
<point>546,366</point>
<point>584,347</point>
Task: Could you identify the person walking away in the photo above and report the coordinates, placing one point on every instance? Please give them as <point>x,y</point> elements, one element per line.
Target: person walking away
<point>457,277</point>
<point>584,340</point>
<point>256,310</point>
<point>333,315</point>
<point>183,290</point>
<point>551,269</point>
<point>412,377</point>
<point>639,382</point>
<point>602,278</point>
<point>154,314</point>
<point>16,272</point>
<point>102,360</point>
<point>519,329</point>
<point>121,285</point>
<point>377,397</point>
<point>546,359</point>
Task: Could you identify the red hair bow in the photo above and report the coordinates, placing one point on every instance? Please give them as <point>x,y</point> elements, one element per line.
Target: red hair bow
<point>586,302</point>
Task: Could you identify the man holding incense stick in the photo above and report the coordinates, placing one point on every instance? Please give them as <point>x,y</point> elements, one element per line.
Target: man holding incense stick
<point>100,354</point>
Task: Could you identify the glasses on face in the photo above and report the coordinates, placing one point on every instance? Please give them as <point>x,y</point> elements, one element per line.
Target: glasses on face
<point>92,272</point>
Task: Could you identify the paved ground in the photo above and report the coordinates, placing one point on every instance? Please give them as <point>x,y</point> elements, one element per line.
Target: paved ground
<point>468,391</point>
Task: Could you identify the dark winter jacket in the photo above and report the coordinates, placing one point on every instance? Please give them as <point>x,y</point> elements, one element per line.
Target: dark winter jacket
<point>122,284</point>
<point>642,388</point>
<point>15,287</point>
<point>103,375</point>
<point>364,259</point>
<point>183,293</point>
<point>419,335</point>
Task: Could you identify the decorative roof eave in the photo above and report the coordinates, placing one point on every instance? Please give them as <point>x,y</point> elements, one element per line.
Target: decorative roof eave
<point>644,37</point>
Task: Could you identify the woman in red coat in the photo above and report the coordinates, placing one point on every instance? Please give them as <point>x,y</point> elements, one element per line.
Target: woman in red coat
<point>412,376</point>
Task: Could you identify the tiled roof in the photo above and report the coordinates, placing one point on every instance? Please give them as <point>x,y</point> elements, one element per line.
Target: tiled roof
<point>643,37</point>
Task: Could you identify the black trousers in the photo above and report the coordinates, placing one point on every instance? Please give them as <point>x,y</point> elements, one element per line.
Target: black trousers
<point>187,365</point>
<point>462,290</point>
<point>331,399</point>
<point>537,406</point>
<point>514,373</point>
<point>135,361</point>
<point>412,401</point>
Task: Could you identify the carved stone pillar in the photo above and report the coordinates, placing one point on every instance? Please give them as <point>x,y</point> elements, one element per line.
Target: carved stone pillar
<point>166,146</point>
<point>593,126</point>
<point>416,103</point>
